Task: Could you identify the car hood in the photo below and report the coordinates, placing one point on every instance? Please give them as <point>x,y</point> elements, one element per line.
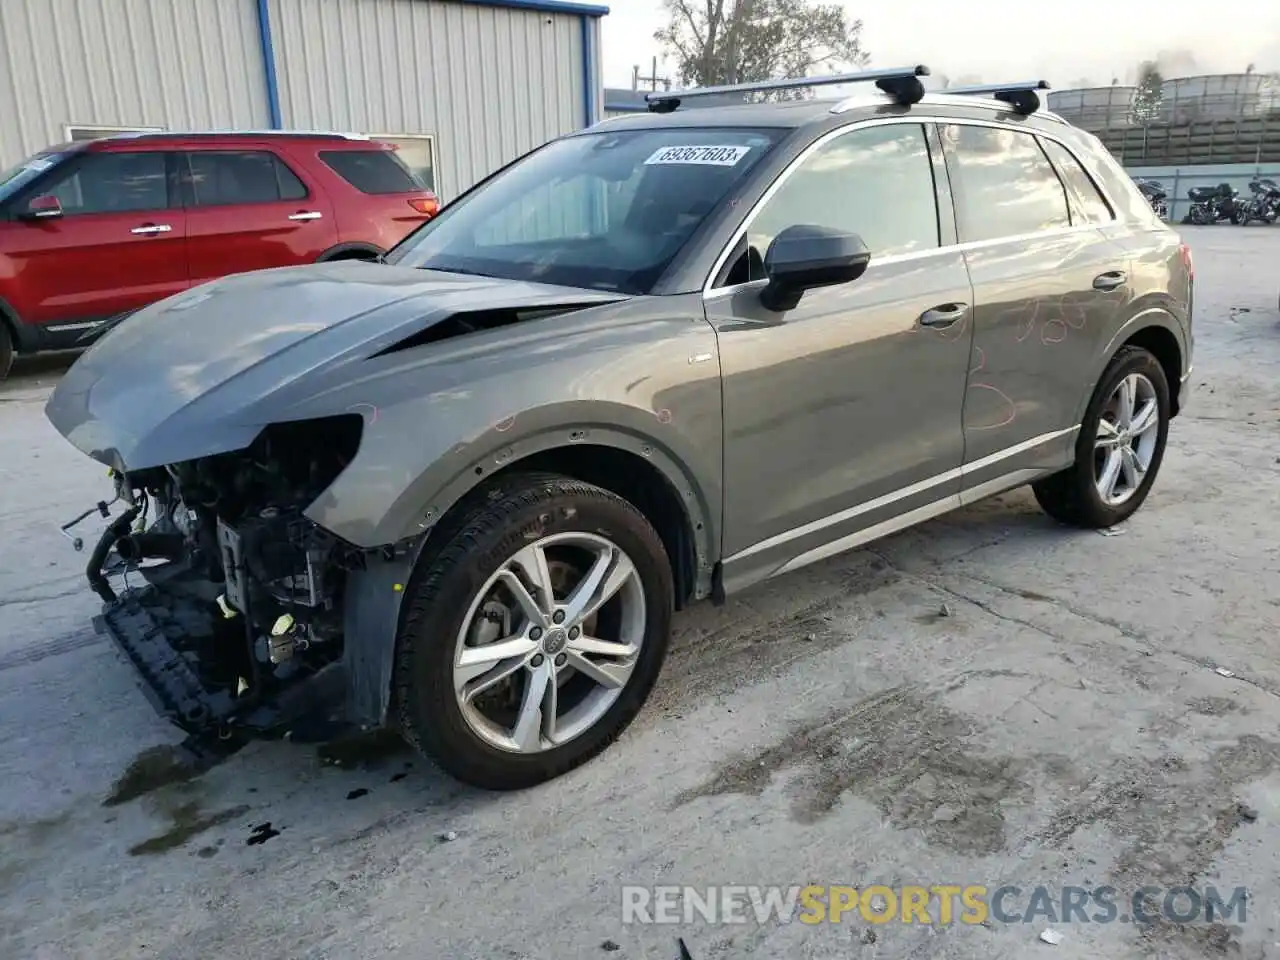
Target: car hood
<point>204,371</point>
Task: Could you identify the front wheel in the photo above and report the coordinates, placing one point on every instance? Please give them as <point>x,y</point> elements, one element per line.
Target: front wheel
<point>1119,449</point>
<point>534,636</point>
<point>6,350</point>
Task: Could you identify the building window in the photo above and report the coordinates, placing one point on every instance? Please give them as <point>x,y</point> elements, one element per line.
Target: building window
<point>417,151</point>
<point>91,131</point>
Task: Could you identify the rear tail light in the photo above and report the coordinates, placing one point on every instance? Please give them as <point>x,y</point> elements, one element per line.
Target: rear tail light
<point>428,205</point>
<point>1186,260</point>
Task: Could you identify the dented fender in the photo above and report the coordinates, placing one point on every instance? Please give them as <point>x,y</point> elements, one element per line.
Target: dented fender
<point>615,375</point>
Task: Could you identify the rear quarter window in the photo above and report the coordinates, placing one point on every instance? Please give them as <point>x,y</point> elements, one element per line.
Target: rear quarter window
<point>1087,204</point>
<point>372,171</point>
<point>1131,205</point>
<point>1004,183</point>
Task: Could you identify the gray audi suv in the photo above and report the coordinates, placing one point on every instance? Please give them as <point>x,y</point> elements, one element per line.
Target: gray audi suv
<point>459,492</point>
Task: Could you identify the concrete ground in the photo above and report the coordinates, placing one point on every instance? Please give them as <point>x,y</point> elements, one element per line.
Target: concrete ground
<point>1062,721</point>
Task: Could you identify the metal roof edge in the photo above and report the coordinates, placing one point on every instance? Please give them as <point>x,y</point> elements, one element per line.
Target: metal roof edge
<point>546,6</point>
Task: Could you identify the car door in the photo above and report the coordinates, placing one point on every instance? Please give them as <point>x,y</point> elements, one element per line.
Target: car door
<point>117,244</point>
<point>842,417</point>
<point>1046,285</point>
<point>248,210</point>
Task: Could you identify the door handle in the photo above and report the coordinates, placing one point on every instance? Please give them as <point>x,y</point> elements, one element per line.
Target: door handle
<point>943,315</point>
<point>1110,280</point>
<point>152,228</point>
<point>307,215</point>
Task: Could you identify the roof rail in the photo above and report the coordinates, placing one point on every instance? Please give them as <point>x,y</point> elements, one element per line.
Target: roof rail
<point>1021,96</point>
<point>189,134</point>
<point>902,83</point>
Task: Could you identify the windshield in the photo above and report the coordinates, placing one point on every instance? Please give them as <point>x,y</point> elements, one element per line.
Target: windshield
<point>15,178</point>
<point>605,211</point>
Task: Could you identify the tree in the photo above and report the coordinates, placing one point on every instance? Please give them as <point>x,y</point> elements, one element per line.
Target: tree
<point>740,41</point>
<point>1149,93</point>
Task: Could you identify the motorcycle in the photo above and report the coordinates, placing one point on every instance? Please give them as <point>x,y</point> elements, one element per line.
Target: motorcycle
<point>1214,204</point>
<point>1264,205</point>
<point>1156,195</point>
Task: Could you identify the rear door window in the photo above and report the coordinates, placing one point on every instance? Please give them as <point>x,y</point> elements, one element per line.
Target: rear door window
<point>221,177</point>
<point>1003,182</point>
<point>1087,204</point>
<point>372,171</point>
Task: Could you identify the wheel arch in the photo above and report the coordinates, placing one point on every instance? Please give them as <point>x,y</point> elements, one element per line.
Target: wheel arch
<point>1153,329</point>
<point>350,251</point>
<point>9,320</point>
<point>634,469</point>
<point>1164,346</point>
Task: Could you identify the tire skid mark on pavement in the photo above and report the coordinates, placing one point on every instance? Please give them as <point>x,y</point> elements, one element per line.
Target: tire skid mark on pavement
<point>34,654</point>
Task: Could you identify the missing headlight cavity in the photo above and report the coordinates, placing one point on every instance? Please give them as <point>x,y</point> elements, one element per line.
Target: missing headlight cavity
<point>286,467</point>
<point>474,321</point>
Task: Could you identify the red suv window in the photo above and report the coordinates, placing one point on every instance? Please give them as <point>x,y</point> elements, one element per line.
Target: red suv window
<point>117,182</point>
<point>371,171</point>
<point>220,177</point>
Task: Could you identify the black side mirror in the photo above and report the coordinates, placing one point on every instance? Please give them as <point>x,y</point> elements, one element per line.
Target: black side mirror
<point>805,256</point>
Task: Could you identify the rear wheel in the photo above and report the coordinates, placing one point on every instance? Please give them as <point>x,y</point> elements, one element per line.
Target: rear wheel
<point>534,636</point>
<point>1120,447</point>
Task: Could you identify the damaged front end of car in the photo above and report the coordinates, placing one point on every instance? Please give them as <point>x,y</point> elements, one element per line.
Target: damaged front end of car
<point>283,443</point>
<point>230,601</point>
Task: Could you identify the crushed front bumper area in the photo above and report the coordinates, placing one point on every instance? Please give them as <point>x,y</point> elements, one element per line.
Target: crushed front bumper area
<point>170,640</point>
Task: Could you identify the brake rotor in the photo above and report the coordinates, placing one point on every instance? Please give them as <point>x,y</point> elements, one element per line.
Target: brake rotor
<point>495,620</point>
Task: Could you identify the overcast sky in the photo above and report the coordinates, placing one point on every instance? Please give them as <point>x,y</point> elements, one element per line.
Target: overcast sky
<point>998,40</point>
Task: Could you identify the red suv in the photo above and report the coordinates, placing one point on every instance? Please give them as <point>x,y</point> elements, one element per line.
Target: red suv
<point>93,230</point>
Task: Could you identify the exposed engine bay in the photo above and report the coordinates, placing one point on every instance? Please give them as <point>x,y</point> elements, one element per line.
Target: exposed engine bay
<point>232,597</point>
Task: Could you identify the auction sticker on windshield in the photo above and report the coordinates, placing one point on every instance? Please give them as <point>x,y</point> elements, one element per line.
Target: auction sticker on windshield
<point>718,156</point>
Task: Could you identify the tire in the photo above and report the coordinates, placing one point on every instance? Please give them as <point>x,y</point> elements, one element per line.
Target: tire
<point>6,350</point>
<point>519,513</point>
<point>1072,496</point>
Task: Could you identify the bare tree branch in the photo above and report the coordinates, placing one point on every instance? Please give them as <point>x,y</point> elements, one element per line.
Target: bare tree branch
<point>736,41</point>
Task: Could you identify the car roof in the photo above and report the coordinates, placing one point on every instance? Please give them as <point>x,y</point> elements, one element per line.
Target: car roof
<point>124,141</point>
<point>793,114</point>
<point>892,92</point>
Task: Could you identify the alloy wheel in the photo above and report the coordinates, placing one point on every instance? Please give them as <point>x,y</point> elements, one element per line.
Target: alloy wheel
<point>549,642</point>
<point>1128,432</point>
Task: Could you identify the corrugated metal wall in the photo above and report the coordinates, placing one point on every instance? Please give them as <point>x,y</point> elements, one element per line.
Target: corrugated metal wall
<point>489,83</point>
<point>180,64</point>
